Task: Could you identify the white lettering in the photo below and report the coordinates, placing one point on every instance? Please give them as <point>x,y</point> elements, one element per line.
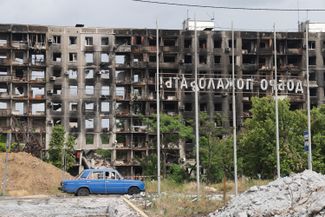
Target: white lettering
<point>193,85</point>
<point>168,83</point>
<point>249,84</point>
<point>240,83</point>
<point>299,87</point>
<point>290,85</point>
<point>211,84</point>
<point>202,83</point>
<point>220,84</point>
<point>229,83</point>
<point>183,83</point>
<point>264,84</point>
<point>282,85</point>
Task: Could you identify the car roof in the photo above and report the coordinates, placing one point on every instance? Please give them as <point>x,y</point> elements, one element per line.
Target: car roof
<point>101,169</point>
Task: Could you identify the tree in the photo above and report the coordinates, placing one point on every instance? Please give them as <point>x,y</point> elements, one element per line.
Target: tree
<point>58,151</point>
<point>318,138</point>
<point>257,140</point>
<point>215,152</point>
<point>173,130</point>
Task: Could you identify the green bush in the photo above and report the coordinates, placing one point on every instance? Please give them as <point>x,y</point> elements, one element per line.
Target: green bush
<point>177,173</point>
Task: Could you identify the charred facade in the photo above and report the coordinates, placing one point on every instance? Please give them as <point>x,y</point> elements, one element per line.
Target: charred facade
<point>100,82</point>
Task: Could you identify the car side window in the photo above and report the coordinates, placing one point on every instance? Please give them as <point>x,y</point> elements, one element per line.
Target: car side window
<point>96,175</point>
<point>107,175</point>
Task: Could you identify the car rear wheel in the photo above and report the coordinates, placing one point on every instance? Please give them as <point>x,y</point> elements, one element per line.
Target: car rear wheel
<point>133,190</point>
<point>82,192</point>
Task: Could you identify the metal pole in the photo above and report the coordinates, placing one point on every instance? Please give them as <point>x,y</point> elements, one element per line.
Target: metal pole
<point>276,108</point>
<point>234,107</point>
<point>196,114</point>
<point>310,166</point>
<point>158,109</point>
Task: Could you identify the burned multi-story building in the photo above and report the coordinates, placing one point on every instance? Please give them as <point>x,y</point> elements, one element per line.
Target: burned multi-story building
<point>100,82</point>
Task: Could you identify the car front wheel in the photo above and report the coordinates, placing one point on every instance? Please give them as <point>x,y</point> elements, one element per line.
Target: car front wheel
<point>82,192</point>
<point>133,190</point>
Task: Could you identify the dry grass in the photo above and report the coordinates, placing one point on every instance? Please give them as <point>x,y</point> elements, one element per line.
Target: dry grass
<point>178,200</point>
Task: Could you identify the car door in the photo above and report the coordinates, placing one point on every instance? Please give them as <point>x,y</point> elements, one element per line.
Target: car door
<point>96,182</point>
<point>113,184</point>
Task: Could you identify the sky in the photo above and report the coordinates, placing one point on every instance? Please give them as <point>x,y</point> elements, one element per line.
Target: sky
<point>131,14</point>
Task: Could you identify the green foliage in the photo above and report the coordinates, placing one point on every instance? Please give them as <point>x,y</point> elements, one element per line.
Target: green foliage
<point>257,141</point>
<point>149,165</point>
<point>177,173</point>
<point>318,138</point>
<point>216,154</point>
<point>106,154</point>
<point>57,149</point>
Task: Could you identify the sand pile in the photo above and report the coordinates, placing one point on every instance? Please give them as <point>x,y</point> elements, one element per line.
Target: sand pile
<point>28,175</point>
<point>300,194</point>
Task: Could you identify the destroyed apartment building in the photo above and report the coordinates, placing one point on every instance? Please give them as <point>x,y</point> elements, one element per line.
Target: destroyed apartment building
<point>100,82</point>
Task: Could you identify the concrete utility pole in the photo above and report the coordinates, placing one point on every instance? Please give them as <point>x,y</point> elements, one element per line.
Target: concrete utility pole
<point>196,114</point>
<point>5,172</point>
<point>158,109</point>
<point>310,165</point>
<point>234,107</point>
<point>276,108</point>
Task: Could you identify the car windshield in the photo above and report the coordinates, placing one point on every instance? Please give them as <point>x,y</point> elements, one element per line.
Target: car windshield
<point>83,175</point>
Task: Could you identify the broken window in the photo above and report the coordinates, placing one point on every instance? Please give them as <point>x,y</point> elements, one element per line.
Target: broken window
<point>105,124</point>
<point>311,45</point>
<point>57,72</point>
<point>138,40</point>
<point>120,92</point>
<point>38,92</point>
<point>137,58</point>
<point>312,60</point>
<point>19,73</point>
<point>203,59</point>
<point>294,60</point>
<point>120,59</point>
<point>218,107</point>
<point>19,37</point>
<point>105,91</point>
<point>104,107</point>
<point>188,107</point>
<point>203,43</point>
<point>38,108</point>
<point>57,106</point>
<point>56,39</point>
<point>3,105</point>
<point>3,55</point>
<point>152,58</point>
<point>313,91</point>
<point>89,106</point>
<point>230,43</point>
<point>3,71</point>
<point>38,59</point>
<point>19,57</point>
<point>73,57</point>
<point>57,90</point>
<point>170,42</point>
<point>217,59</point>
<point>73,106</point>
<point>89,139</point>
<point>89,90</point>
<point>20,90</point>
<point>3,39</point>
<point>104,41</point>
<point>187,43</point>
<point>89,123</point>
<point>72,40</point>
<point>3,90</point>
<point>104,74</point>
<point>89,73</point>
<point>292,44</point>
<point>203,107</point>
<point>188,59</point>
<point>217,43</point>
<point>38,75</point>
<point>104,57</point>
<point>19,108</point>
<point>73,90</point>
<point>72,74</point>
<point>57,57</point>
<point>89,41</point>
<point>89,57</point>
<point>123,40</point>
<point>247,59</point>
<point>104,138</point>
<point>168,58</point>
<point>73,123</point>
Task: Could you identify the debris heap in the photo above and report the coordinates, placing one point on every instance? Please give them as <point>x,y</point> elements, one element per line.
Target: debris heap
<point>301,194</point>
<point>28,175</point>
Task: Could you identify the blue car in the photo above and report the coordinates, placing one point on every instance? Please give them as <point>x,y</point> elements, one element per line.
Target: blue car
<point>101,181</point>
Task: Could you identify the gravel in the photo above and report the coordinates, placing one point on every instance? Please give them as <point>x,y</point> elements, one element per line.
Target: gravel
<point>111,206</point>
<point>298,195</point>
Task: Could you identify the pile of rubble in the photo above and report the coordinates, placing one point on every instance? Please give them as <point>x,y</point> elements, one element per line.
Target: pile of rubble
<point>28,175</point>
<point>300,194</point>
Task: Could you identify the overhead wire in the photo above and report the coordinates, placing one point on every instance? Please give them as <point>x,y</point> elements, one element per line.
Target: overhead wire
<point>232,8</point>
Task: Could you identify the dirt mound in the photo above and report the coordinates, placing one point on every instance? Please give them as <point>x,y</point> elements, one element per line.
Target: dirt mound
<point>28,175</point>
<point>301,194</point>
